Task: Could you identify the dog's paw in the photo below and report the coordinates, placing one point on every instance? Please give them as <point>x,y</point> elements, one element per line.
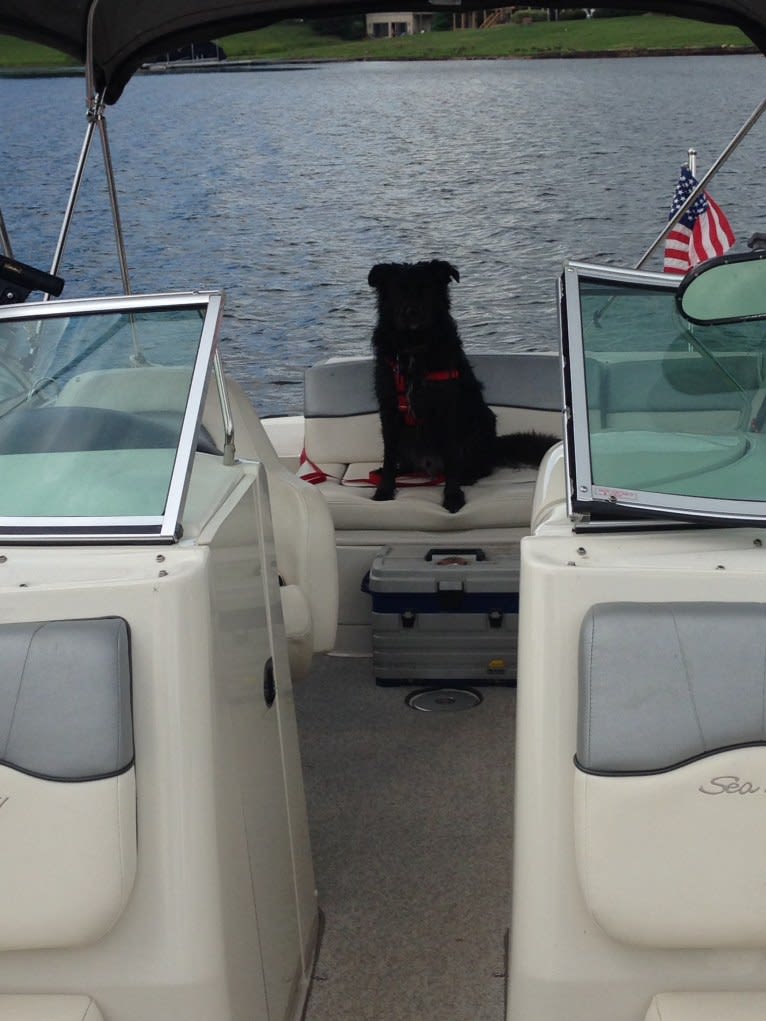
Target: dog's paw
<point>454,499</point>
<point>383,493</point>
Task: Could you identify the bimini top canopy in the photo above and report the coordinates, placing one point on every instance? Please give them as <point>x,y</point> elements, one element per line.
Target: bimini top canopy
<point>128,32</point>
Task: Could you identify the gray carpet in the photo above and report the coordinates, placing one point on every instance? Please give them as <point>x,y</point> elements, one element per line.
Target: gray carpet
<point>410,816</point>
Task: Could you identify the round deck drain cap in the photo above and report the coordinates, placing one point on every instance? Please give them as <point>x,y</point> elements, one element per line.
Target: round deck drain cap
<point>443,700</point>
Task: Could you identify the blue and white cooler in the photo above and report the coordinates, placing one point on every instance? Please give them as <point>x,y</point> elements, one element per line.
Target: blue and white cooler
<point>444,615</point>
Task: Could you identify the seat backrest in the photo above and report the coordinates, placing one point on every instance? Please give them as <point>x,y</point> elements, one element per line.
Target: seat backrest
<point>67,781</point>
<point>670,784</point>
<point>343,424</point>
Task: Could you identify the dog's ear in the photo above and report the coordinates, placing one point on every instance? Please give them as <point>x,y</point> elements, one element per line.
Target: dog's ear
<point>446,270</point>
<point>379,274</point>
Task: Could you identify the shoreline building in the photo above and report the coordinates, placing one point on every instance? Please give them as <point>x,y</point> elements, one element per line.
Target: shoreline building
<point>394,23</point>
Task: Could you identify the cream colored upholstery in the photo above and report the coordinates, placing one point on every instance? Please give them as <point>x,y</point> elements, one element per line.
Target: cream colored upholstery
<point>67,781</point>
<point>648,849</point>
<point>298,627</point>
<point>69,858</point>
<point>503,499</point>
<point>550,487</point>
<point>748,1006</point>
<point>343,438</point>
<point>303,534</point>
<point>670,772</point>
<point>49,1008</point>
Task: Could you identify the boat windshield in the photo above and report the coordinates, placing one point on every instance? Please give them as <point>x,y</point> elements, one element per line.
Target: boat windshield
<point>666,416</point>
<point>100,406</point>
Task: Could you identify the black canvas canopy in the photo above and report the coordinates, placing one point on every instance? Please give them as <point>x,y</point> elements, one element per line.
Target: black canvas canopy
<point>128,32</point>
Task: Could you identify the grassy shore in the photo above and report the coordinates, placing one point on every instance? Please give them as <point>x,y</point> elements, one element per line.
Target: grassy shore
<point>15,53</point>
<point>644,34</point>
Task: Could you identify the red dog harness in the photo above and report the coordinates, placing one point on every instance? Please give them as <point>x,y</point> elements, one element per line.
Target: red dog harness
<point>403,390</point>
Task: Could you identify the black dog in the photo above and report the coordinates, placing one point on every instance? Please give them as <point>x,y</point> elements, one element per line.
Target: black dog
<point>433,414</point>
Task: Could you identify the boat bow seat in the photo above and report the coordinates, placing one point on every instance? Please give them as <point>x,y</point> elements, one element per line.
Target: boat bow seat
<point>343,444</point>
<point>502,500</point>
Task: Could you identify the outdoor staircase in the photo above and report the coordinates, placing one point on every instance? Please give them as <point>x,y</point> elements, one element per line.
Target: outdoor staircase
<point>494,18</point>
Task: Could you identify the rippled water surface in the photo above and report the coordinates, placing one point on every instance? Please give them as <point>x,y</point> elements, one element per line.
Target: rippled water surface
<point>284,188</point>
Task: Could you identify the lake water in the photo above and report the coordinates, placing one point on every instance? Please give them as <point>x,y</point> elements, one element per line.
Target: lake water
<point>285,187</point>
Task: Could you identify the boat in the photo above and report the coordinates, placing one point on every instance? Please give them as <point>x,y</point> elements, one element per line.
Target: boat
<point>181,583</point>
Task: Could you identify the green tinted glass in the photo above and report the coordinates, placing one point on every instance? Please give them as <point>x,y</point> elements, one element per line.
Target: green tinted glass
<point>673,407</point>
<point>98,411</point>
<point>726,290</point>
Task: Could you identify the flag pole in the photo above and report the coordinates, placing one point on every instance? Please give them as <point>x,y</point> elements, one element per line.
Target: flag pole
<point>746,127</point>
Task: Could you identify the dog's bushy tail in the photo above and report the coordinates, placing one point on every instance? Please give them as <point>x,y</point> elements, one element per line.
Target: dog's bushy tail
<point>522,448</point>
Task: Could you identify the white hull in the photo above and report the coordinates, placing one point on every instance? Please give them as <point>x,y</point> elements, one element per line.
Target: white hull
<point>222,919</point>
<point>631,882</point>
<point>563,963</point>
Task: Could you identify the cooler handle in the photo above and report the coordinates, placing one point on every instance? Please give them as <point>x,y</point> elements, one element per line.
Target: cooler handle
<point>477,553</point>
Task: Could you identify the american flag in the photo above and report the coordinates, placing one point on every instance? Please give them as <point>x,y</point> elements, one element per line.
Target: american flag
<point>702,232</point>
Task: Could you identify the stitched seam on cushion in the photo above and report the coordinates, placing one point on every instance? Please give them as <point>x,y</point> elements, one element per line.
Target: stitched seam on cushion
<point>122,895</point>
<point>88,1005</point>
<point>18,692</point>
<point>118,675</point>
<point>118,784</point>
<point>689,685</point>
<point>125,741</point>
<point>589,885</point>
<point>589,717</point>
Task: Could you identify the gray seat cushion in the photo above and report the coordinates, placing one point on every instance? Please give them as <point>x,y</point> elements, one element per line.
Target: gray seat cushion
<point>663,683</point>
<point>345,387</point>
<point>65,698</point>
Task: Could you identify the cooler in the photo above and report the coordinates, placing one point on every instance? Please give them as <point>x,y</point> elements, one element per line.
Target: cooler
<point>444,615</point>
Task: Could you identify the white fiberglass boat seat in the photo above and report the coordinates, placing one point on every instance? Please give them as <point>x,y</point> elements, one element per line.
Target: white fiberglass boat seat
<point>343,442</point>
<point>67,783</point>
<point>670,778</point>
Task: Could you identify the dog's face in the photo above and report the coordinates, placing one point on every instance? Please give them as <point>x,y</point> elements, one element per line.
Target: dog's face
<point>412,297</point>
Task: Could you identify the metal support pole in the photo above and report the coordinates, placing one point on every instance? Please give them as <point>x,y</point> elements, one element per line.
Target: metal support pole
<point>749,123</point>
<point>72,201</point>
<point>228,421</point>
<point>116,220</point>
<point>5,240</point>
<point>93,104</point>
<point>95,114</point>
<point>96,110</point>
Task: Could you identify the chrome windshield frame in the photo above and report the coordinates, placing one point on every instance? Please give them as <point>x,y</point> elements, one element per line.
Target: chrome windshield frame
<point>585,499</point>
<point>161,528</point>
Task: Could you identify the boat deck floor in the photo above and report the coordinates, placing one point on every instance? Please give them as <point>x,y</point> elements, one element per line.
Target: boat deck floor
<point>411,817</point>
